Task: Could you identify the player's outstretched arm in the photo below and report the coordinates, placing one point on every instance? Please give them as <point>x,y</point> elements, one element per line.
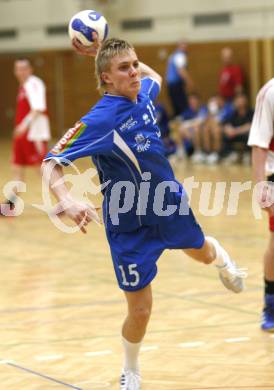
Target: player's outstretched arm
<point>147,71</point>
<point>81,213</point>
<point>26,122</point>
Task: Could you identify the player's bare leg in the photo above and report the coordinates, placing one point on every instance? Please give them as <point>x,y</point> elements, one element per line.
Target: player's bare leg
<point>133,331</point>
<point>206,135</point>
<point>39,146</point>
<point>206,254</point>
<point>18,172</point>
<point>198,155</point>
<point>197,129</point>
<point>217,137</point>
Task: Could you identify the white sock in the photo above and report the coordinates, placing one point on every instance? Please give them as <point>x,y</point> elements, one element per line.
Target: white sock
<point>222,257</point>
<point>131,351</point>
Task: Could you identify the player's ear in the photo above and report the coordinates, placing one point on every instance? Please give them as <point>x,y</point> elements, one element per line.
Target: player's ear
<point>105,77</point>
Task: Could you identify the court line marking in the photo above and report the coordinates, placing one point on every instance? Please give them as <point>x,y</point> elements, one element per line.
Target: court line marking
<point>48,357</point>
<point>230,387</point>
<point>49,378</point>
<point>237,339</point>
<point>5,361</point>
<point>101,385</point>
<point>191,344</point>
<point>98,353</point>
<point>159,382</point>
<point>149,348</point>
<point>208,387</point>
<point>59,307</point>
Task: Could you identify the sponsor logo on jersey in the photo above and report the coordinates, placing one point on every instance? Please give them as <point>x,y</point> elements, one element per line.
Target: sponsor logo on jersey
<point>142,143</point>
<point>146,119</point>
<point>69,138</point>
<point>128,124</point>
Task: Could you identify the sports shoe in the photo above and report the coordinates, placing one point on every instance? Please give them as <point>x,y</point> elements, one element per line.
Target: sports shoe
<point>268,314</point>
<point>212,158</point>
<point>231,159</point>
<point>180,153</point>
<point>198,157</point>
<point>130,380</point>
<point>246,159</point>
<point>231,276</point>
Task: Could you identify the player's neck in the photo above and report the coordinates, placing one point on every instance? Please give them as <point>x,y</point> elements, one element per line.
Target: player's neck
<point>23,80</point>
<point>114,92</point>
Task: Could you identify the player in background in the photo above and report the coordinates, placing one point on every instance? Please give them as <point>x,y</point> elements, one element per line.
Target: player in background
<point>32,129</point>
<point>261,139</point>
<point>231,78</point>
<point>178,79</point>
<point>121,135</point>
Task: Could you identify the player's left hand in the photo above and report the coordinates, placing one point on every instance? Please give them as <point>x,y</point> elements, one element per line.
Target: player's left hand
<point>265,196</point>
<point>87,50</point>
<point>19,130</point>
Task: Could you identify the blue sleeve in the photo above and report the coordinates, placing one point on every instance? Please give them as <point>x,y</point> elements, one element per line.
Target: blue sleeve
<point>203,112</point>
<point>226,113</point>
<point>150,87</point>
<point>82,140</point>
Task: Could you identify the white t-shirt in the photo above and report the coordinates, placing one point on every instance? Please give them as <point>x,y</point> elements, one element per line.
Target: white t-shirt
<point>180,60</point>
<point>36,93</point>
<point>262,128</point>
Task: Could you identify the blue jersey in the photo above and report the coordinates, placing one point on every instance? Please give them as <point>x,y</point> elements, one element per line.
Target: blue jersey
<point>125,144</point>
<point>162,119</point>
<point>189,113</point>
<point>176,61</point>
<point>225,113</point>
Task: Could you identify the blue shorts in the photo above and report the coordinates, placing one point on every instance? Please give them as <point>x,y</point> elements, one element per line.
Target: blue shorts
<point>135,253</point>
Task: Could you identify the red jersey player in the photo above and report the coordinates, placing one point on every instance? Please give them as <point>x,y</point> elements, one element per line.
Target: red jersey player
<point>261,138</point>
<point>231,77</point>
<point>32,130</point>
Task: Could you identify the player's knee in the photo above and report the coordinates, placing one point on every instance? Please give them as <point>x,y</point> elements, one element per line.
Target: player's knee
<point>141,315</point>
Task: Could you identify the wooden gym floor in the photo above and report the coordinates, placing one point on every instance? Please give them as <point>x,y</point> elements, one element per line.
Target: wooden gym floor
<point>61,311</point>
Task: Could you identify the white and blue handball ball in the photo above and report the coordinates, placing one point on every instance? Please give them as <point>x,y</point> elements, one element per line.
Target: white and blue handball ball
<point>84,23</point>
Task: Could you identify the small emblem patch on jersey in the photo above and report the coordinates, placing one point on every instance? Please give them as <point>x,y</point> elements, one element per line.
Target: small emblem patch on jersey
<point>142,143</point>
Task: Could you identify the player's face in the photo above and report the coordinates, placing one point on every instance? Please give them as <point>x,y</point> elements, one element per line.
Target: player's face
<point>22,70</point>
<point>240,102</point>
<point>124,76</point>
<point>227,55</point>
<point>194,103</point>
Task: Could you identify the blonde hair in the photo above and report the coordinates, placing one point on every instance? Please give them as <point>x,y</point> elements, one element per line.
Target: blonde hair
<point>109,49</point>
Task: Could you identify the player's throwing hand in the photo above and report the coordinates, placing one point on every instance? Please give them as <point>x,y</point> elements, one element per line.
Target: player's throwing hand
<point>87,50</point>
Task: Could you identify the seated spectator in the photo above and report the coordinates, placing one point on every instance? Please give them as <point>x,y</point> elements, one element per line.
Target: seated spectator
<point>163,123</point>
<point>236,131</point>
<point>191,125</point>
<point>219,111</point>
